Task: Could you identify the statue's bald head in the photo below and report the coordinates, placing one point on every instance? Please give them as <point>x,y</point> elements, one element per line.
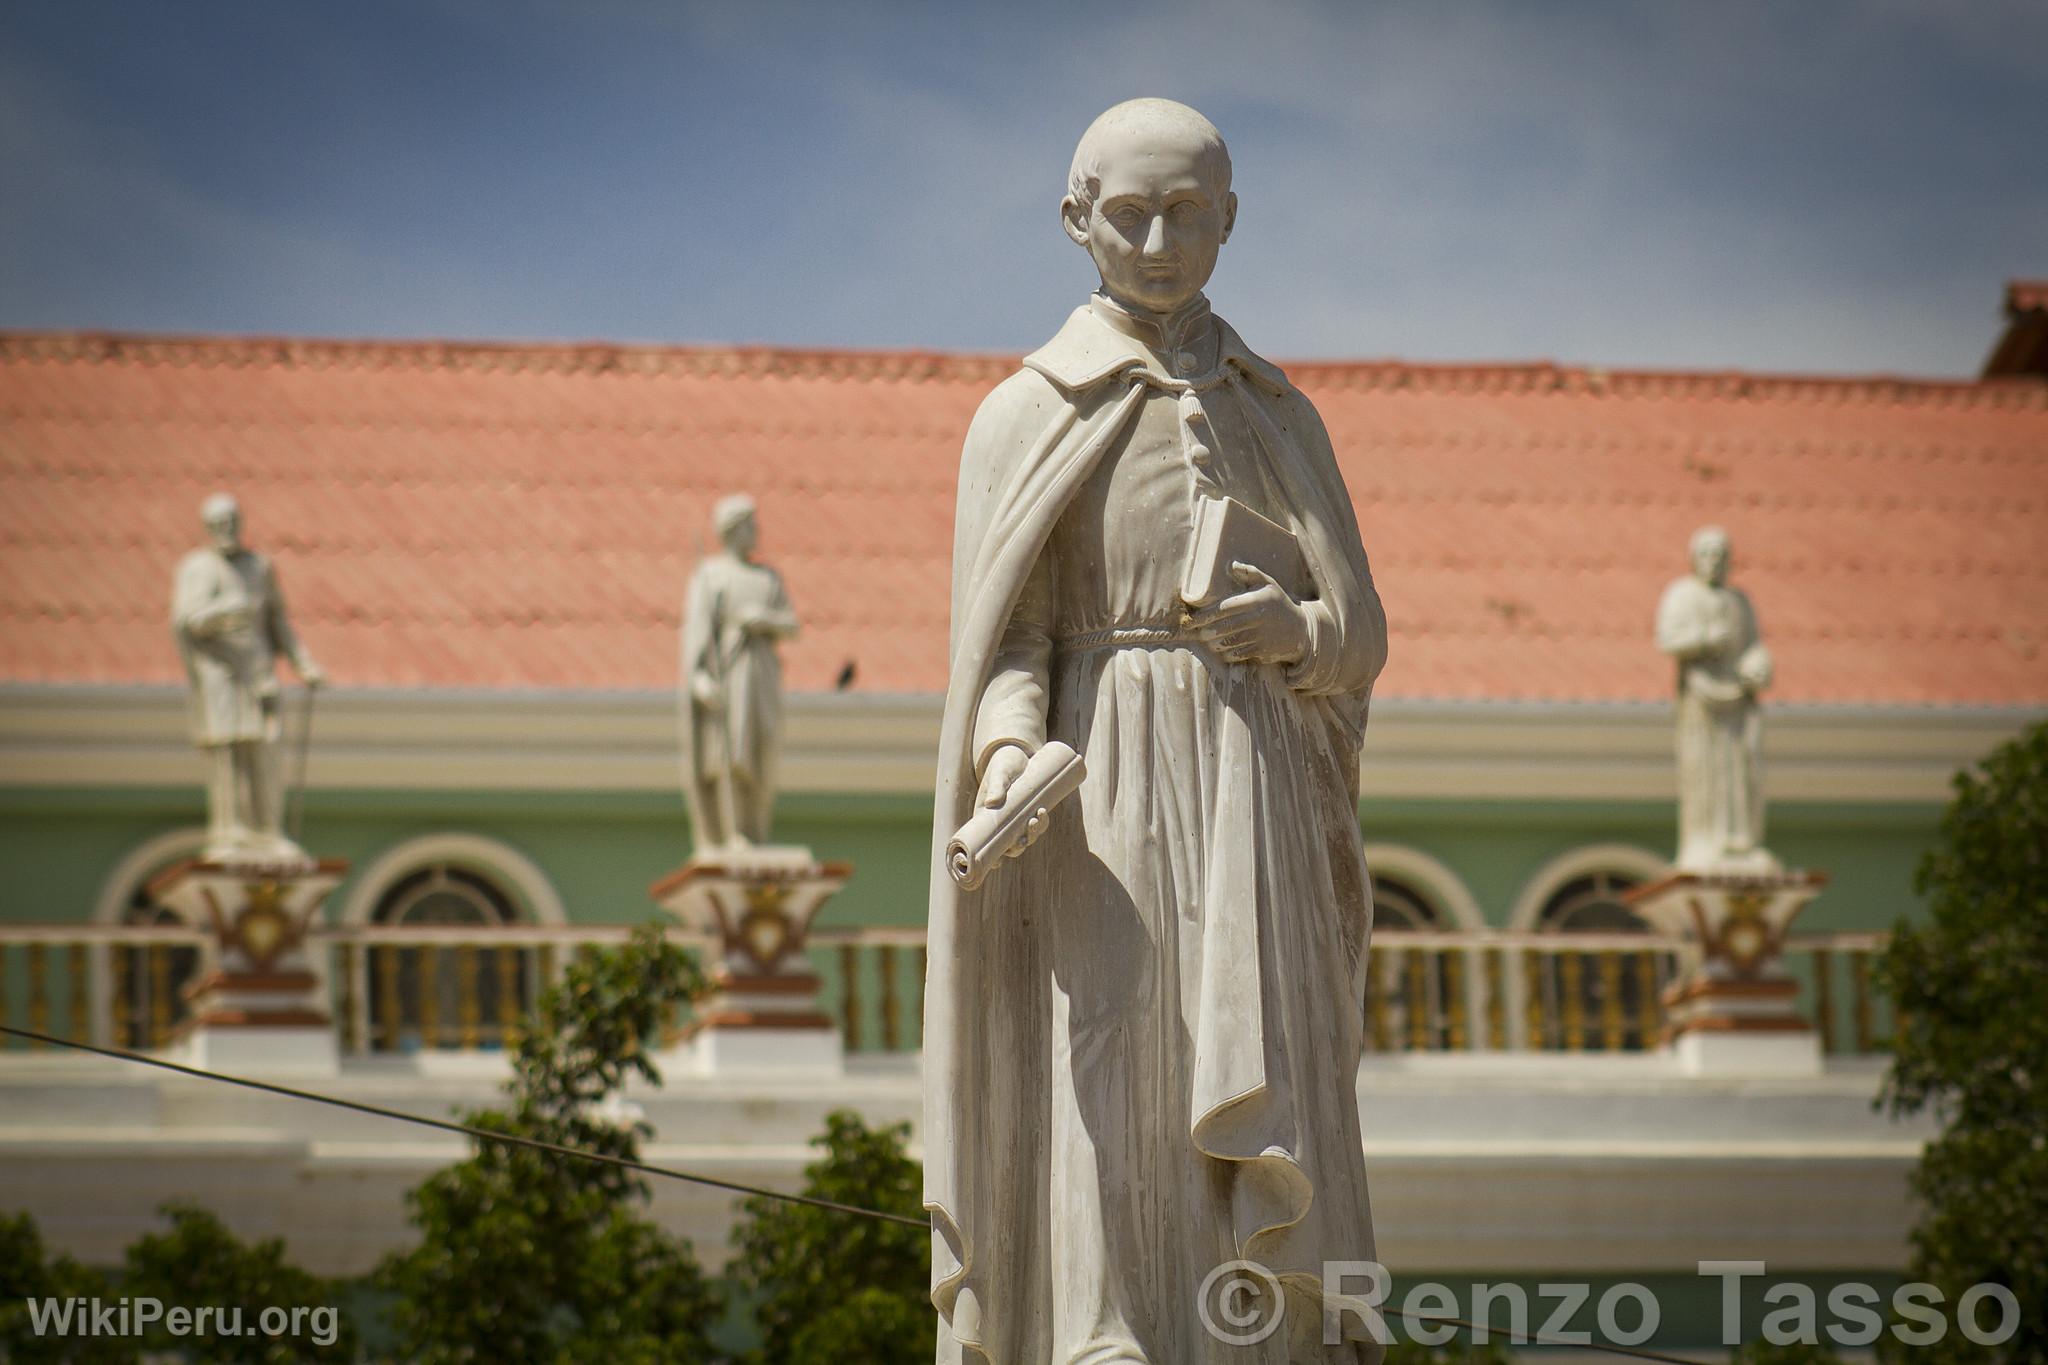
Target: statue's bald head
<point>221,515</point>
<point>1149,198</point>
<point>732,519</point>
<point>1711,552</point>
<point>1136,124</point>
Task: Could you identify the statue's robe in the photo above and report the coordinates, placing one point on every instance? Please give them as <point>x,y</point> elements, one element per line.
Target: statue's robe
<point>740,742</point>
<point>232,673</point>
<point>1720,726</point>
<point>1142,1035</point>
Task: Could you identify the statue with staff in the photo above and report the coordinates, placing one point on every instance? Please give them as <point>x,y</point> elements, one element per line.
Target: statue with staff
<point>229,619</point>
<point>735,615</point>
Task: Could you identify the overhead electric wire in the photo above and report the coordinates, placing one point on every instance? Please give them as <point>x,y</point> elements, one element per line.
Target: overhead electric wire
<point>670,1173</point>
<point>446,1126</point>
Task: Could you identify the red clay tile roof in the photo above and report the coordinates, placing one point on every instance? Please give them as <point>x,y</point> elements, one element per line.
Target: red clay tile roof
<point>479,516</point>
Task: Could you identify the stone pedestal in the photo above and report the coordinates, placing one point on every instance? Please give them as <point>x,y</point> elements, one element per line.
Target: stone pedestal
<point>756,906</point>
<point>1735,1009</point>
<point>259,1006</point>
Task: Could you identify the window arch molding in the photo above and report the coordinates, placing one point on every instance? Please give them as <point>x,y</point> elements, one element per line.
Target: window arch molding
<point>145,860</point>
<point>1445,889</point>
<point>1555,875</point>
<point>473,852</point>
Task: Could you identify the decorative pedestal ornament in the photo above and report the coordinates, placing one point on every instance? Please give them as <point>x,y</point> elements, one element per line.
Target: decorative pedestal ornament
<point>260,1006</point>
<point>1734,1008</point>
<point>756,905</point>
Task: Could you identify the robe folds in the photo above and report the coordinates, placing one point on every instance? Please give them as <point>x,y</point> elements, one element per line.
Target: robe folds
<point>1142,1035</point>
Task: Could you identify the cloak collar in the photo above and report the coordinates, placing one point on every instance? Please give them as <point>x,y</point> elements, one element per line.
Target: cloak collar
<point>1091,348</point>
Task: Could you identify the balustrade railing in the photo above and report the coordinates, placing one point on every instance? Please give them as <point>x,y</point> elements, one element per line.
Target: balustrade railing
<point>110,985</point>
<point>395,990</point>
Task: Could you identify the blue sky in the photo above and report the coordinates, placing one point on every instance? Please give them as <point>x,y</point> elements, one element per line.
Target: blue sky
<point>1822,186</point>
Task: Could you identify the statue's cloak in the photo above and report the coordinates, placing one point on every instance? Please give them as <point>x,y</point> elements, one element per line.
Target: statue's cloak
<point>1034,442</point>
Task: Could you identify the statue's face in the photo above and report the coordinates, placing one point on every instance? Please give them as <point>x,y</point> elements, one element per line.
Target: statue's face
<point>740,537</point>
<point>1157,222</point>
<point>1710,560</point>
<point>224,529</point>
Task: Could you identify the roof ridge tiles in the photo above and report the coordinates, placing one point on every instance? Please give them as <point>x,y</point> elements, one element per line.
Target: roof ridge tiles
<point>757,361</point>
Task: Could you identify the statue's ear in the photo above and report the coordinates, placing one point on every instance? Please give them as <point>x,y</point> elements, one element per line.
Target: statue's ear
<point>1074,218</point>
<point>1229,213</point>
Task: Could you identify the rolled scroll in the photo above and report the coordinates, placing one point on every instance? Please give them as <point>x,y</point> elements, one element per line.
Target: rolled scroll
<point>1053,774</point>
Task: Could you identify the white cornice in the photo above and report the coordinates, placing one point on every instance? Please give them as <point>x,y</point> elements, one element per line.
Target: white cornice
<point>94,737</point>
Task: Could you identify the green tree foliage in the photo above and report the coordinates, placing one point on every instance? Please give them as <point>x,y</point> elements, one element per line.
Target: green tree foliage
<point>528,1257</point>
<point>1972,987</point>
<point>836,1289</point>
<point>1457,1351</point>
<point>198,1262</point>
<point>1764,1353</point>
<point>29,1271</point>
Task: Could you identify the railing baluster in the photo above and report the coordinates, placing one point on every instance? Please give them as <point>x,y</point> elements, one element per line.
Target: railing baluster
<point>1649,1009</point>
<point>159,994</point>
<point>390,1009</point>
<point>1859,982</point>
<point>892,1037</point>
<point>345,958</point>
<point>430,996</point>
<point>6,1016</point>
<point>849,994</point>
<point>1533,982</point>
<point>1610,999</point>
<point>1418,1001</point>
<point>1495,968</point>
<point>1824,998</point>
<point>121,1010</point>
<point>1456,1034</point>
<point>78,993</point>
<point>508,994</point>
<point>38,994</point>
<point>1572,1002</point>
<point>468,1011</point>
<point>1376,1001</point>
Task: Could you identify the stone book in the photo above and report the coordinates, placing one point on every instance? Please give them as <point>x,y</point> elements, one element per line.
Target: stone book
<point>1227,532</point>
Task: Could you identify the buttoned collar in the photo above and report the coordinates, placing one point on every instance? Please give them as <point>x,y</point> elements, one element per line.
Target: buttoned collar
<point>1102,339</point>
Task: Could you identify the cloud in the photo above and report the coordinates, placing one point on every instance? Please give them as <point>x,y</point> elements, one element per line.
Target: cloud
<point>1829,186</point>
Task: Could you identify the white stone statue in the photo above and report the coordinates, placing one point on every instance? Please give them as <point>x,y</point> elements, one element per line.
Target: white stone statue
<point>1711,630</point>
<point>1142,1033</point>
<point>734,617</point>
<point>229,619</point>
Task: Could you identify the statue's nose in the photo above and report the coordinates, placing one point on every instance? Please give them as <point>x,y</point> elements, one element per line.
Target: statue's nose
<point>1155,236</point>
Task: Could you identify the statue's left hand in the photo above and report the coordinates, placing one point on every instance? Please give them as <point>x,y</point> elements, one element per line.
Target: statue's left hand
<point>1260,625</point>
<point>312,675</point>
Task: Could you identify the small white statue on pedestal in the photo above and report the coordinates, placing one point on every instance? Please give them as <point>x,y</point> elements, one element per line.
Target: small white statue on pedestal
<point>734,618</point>
<point>229,619</point>
<point>1711,630</point>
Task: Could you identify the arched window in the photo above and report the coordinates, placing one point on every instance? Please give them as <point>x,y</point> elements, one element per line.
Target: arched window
<point>145,982</point>
<point>444,894</point>
<point>1592,904</point>
<point>1416,997</point>
<point>1397,905</point>
<point>1606,997</point>
<point>457,989</point>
